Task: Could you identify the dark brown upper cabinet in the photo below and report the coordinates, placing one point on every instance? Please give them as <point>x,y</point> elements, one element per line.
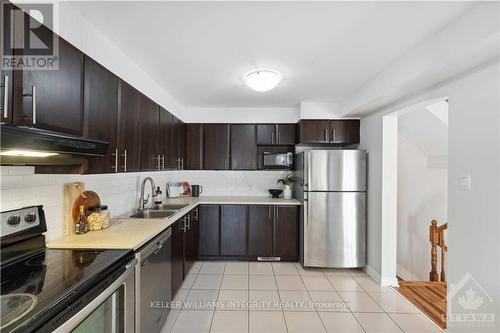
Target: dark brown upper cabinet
<point>181,143</point>
<point>6,75</point>
<point>276,134</point>
<point>149,134</point>
<point>6,96</point>
<point>101,114</point>
<point>314,131</point>
<point>329,131</point>
<point>177,149</point>
<point>243,147</point>
<point>165,139</point>
<point>233,230</point>
<point>260,231</point>
<point>344,131</point>
<point>216,147</point>
<point>194,147</point>
<point>51,99</point>
<point>266,134</point>
<point>128,131</point>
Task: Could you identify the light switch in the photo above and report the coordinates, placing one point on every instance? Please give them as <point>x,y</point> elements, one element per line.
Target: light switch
<point>464,182</point>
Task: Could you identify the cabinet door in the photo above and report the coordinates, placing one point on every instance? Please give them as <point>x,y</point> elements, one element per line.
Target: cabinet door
<point>101,114</point>
<point>6,77</point>
<point>177,262</point>
<point>260,231</point>
<point>233,230</point>
<point>188,244</point>
<point>266,134</point>
<point>286,232</point>
<point>6,96</point>
<point>194,147</point>
<point>344,131</point>
<point>314,131</point>
<point>243,147</point>
<point>149,114</point>
<point>128,131</point>
<point>287,134</point>
<point>209,227</point>
<point>181,143</point>
<point>57,102</point>
<point>165,135</point>
<point>216,147</point>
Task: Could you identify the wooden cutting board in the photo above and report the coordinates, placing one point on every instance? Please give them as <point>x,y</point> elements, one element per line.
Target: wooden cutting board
<point>86,199</point>
<point>74,196</point>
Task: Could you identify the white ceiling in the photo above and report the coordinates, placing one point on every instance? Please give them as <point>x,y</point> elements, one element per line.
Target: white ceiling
<point>198,51</point>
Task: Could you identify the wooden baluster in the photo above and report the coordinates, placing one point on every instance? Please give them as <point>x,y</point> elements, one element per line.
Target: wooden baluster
<point>444,249</point>
<point>433,275</point>
<point>443,274</point>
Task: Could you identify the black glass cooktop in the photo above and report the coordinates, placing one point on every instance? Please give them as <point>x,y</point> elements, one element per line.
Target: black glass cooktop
<point>36,287</point>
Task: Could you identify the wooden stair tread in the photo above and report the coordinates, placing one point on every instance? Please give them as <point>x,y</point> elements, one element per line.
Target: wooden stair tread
<point>428,296</point>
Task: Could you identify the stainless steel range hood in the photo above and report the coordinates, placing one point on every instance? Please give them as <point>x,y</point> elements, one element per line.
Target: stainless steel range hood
<point>31,146</point>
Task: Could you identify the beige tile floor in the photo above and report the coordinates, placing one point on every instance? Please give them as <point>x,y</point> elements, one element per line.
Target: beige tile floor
<point>252,297</point>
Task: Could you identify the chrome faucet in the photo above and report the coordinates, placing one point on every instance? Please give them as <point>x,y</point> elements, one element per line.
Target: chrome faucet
<point>143,201</point>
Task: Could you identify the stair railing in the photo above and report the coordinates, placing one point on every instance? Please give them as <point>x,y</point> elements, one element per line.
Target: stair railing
<point>436,237</point>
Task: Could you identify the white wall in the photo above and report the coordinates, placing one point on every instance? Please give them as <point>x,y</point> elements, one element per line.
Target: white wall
<point>422,197</point>
<point>240,115</point>
<point>19,187</point>
<point>474,147</point>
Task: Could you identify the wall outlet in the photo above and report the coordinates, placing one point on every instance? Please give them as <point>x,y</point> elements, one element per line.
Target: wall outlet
<point>464,181</point>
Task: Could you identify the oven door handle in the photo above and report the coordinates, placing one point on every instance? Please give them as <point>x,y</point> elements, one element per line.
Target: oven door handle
<point>81,315</point>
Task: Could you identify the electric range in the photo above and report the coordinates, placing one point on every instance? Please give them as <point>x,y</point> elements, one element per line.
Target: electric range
<point>43,288</point>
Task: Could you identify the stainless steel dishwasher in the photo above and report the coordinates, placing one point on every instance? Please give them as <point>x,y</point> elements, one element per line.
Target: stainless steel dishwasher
<point>153,287</point>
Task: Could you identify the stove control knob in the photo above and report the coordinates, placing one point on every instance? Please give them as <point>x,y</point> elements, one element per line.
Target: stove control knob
<point>30,218</point>
<point>14,220</point>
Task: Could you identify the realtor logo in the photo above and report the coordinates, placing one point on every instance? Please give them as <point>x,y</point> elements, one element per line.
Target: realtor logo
<point>27,38</point>
<point>469,305</point>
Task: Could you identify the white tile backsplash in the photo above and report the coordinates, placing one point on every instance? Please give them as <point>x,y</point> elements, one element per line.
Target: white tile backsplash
<point>20,187</point>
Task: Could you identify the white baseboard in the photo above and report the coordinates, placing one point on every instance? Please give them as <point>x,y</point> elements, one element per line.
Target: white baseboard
<point>391,282</point>
<point>406,274</point>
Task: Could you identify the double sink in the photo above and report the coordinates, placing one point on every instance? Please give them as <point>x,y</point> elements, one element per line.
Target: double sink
<point>157,211</point>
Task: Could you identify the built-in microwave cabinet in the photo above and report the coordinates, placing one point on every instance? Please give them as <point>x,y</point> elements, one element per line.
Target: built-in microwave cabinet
<point>276,134</point>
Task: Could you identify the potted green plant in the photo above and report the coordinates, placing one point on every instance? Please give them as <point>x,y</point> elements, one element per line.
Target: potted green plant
<point>287,182</point>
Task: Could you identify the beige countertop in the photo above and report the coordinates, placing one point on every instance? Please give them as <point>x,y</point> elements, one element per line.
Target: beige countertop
<point>133,233</point>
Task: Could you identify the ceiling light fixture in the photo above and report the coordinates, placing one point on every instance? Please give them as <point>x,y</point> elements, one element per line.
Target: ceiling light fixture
<point>262,80</point>
<point>26,153</point>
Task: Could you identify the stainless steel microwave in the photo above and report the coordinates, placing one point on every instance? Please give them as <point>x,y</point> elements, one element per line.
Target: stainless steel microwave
<point>278,161</point>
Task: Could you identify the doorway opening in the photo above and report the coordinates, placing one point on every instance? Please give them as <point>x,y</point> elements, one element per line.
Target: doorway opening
<point>414,204</point>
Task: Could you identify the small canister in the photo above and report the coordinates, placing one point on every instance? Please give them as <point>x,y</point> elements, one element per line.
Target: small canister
<point>98,217</point>
<point>196,190</point>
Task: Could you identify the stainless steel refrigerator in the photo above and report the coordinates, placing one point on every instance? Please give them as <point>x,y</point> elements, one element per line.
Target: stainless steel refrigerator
<point>331,186</point>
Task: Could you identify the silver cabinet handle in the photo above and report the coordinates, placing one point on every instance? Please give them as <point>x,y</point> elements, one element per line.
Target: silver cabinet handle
<point>325,135</point>
<point>277,133</point>
<point>277,212</point>
<point>115,154</point>
<point>333,135</point>
<point>33,94</point>
<point>124,155</point>
<point>6,97</point>
<point>272,137</point>
<point>163,162</point>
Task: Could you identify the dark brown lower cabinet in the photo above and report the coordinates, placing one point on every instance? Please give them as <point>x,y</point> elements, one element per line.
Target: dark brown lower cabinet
<point>233,230</point>
<point>177,261</point>
<point>191,241</point>
<point>260,231</point>
<point>247,232</point>
<point>209,226</point>
<point>286,232</point>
